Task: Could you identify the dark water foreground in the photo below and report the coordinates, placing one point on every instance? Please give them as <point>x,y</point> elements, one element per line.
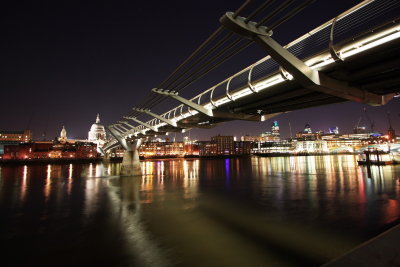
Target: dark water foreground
<point>294,211</point>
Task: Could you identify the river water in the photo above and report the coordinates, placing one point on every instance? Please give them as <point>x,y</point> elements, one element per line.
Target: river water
<point>281,211</point>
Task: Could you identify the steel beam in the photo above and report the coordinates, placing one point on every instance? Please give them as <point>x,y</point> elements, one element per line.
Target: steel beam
<point>208,112</point>
<point>122,127</point>
<point>302,73</point>
<point>114,126</point>
<point>134,129</point>
<point>148,112</point>
<point>186,102</point>
<point>142,123</point>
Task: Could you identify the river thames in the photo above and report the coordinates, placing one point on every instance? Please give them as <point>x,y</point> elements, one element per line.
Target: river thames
<point>280,211</point>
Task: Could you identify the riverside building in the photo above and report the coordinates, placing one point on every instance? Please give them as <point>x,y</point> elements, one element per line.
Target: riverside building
<point>14,138</point>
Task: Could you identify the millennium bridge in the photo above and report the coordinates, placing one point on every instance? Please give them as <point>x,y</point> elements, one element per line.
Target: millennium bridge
<point>352,57</point>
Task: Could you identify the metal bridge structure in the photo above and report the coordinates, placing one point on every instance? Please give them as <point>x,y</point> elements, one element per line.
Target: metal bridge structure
<point>352,57</point>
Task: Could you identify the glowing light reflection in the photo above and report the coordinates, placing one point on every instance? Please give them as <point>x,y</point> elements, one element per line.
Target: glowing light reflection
<point>70,172</point>
<point>23,184</point>
<point>47,183</point>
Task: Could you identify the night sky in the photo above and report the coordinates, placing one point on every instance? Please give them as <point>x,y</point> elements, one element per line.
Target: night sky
<point>62,62</point>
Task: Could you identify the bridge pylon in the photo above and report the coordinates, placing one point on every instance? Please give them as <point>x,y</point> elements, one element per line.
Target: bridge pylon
<point>130,165</point>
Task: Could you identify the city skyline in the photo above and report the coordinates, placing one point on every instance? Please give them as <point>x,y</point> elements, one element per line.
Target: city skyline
<point>284,129</point>
<point>66,63</point>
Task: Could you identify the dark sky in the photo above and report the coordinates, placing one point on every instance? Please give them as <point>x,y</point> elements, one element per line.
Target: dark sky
<point>62,62</point>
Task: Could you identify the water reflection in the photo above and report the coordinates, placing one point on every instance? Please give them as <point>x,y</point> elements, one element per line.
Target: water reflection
<point>24,183</point>
<point>183,211</point>
<point>47,183</point>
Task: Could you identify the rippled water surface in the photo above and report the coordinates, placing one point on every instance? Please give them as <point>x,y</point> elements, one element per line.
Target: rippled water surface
<point>226,212</point>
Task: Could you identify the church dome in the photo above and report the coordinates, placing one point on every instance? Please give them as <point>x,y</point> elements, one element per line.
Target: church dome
<point>97,132</point>
<point>96,127</point>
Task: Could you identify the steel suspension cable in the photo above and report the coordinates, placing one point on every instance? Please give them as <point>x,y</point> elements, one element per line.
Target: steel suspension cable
<point>278,10</point>
<point>218,45</point>
<point>259,10</point>
<point>204,44</point>
<point>291,14</point>
<point>199,74</point>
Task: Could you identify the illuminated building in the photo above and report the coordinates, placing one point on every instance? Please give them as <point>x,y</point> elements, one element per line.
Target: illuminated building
<point>225,145</point>
<point>275,147</point>
<point>249,138</point>
<point>274,135</point>
<point>311,146</point>
<point>63,135</point>
<point>50,150</point>
<point>207,148</point>
<point>161,149</point>
<point>391,135</point>
<point>191,148</point>
<point>242,147</point>
<point>275,129</point>
<point>334,130</point>
<point>307,129</point>
<point>14,138</point>
<point>97,133</point>
<point>307,134</point>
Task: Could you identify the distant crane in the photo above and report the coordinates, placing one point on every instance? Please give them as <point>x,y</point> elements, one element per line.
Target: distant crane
<point>391,134</point>
<point>389,120</point>
<point>371,122</point>
<point>357,126</point>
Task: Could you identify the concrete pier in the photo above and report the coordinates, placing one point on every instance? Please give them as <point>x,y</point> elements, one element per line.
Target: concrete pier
<point>130,162</point>
<point>130,165</point>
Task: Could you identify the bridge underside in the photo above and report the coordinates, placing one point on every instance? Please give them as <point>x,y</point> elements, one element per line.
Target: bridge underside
<point>376,70</point>
<point>372,70</point>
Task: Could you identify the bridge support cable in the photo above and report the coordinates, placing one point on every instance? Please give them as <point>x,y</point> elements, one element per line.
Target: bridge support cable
<point>302,73</point>
<point>192,77</point>
<point>172,84</point>
<point>211,64</point>
<point>195,53</point>
<point>200,67</point>
<point>152,99</point>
